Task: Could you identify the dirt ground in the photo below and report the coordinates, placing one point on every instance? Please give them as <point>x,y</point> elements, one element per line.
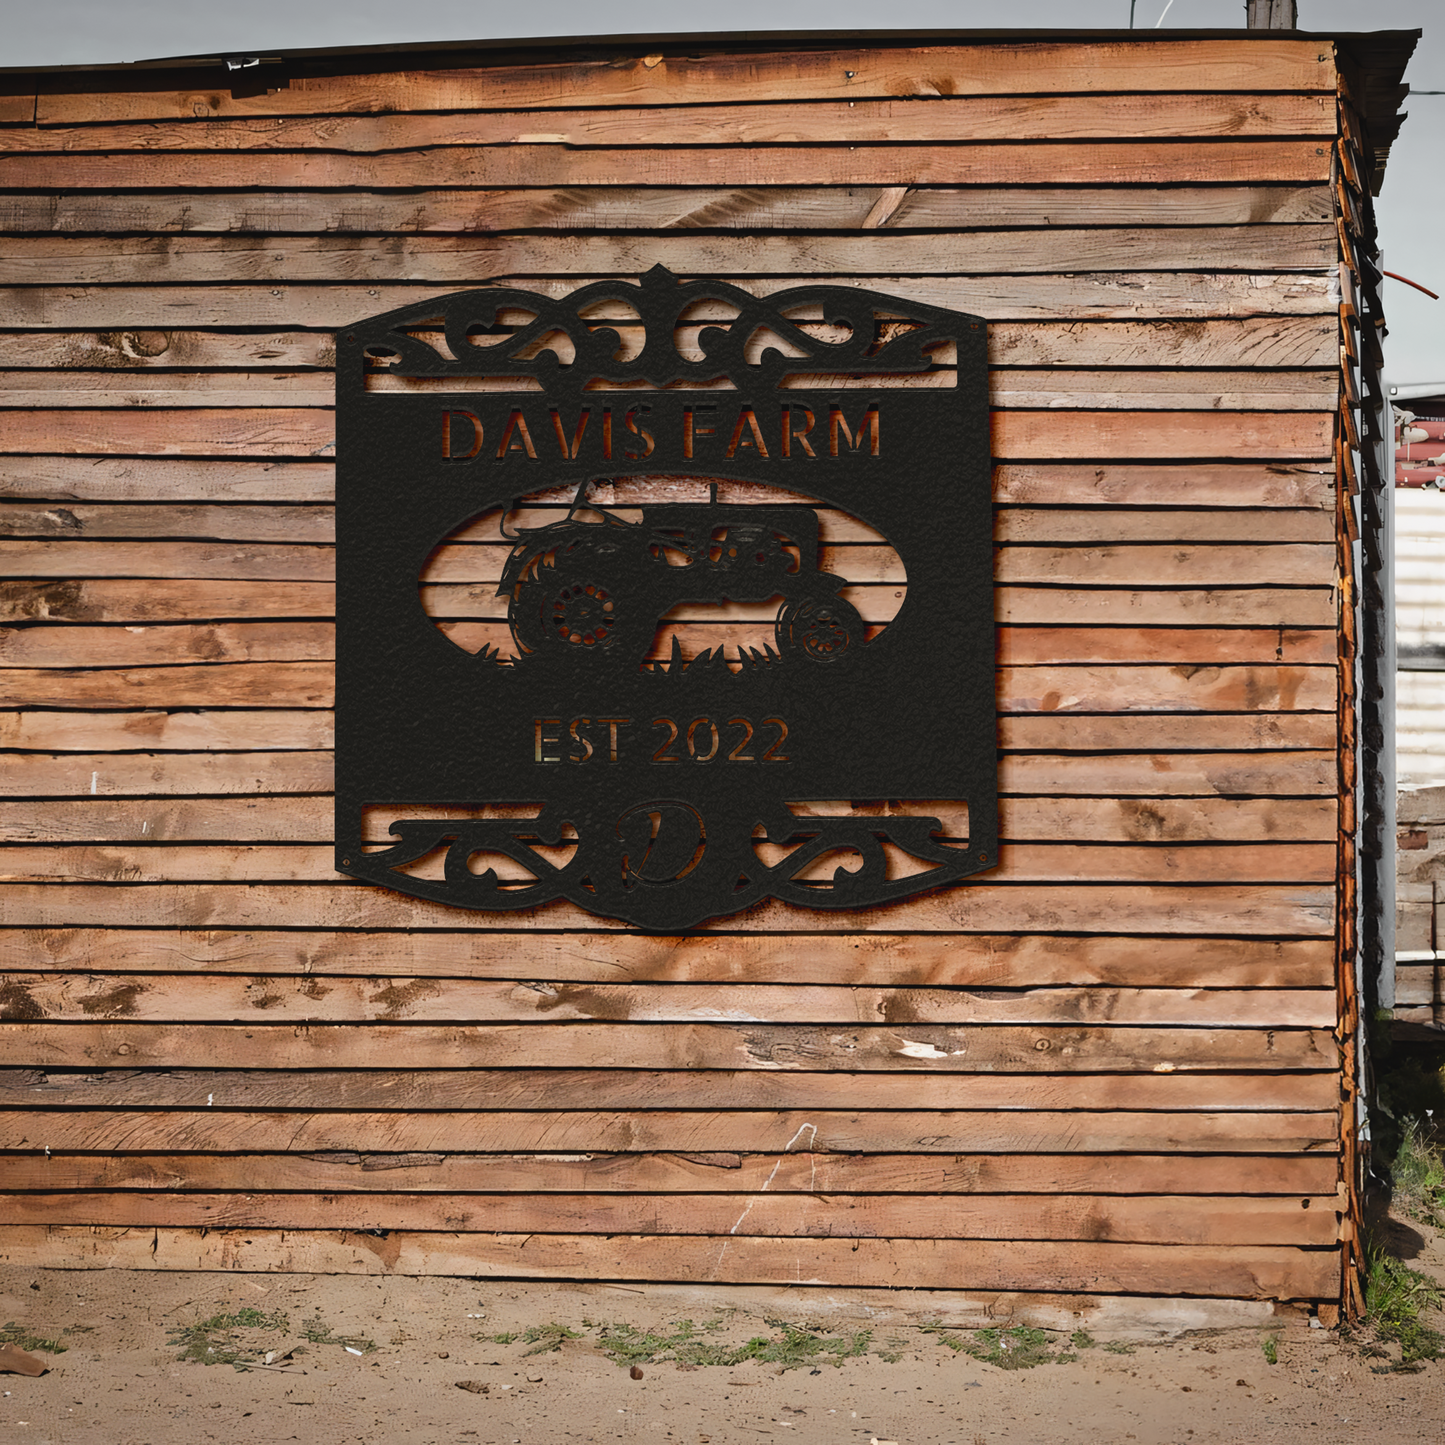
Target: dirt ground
<point>120,1383</point>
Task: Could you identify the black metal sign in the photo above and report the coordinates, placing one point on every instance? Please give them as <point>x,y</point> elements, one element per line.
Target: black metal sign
<point>665,599</point>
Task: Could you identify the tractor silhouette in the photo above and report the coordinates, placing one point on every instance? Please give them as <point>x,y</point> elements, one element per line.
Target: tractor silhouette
<point>580,589</point>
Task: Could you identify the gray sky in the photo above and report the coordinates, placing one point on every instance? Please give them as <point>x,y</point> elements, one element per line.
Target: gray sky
<point>1412,209</point>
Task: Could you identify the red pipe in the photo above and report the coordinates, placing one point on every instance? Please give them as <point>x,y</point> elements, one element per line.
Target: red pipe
<point>1395,276</point>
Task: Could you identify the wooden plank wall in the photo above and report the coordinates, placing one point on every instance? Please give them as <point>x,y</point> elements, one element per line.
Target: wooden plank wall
<point>1111,1067</point>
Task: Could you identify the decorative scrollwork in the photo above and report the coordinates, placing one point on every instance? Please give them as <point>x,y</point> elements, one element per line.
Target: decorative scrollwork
<point>872,334</point>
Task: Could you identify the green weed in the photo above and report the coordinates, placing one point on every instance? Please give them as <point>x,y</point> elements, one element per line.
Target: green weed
<point>1418,1175</point>
<point>1395,1294</point>
<point>221,1340</point>
<point>1020,1348</point>
<point>1082,1340</point>
<point>320,1333</point>
<point>792,1347</point>
<point>27,1339</point>
<point>545,1339</point>
<point>1118,1347</point>
<point>505,1338</point>
<point>1270,1345</point>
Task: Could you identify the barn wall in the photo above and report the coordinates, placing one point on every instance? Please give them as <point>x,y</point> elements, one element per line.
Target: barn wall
<point>1111,1067</point>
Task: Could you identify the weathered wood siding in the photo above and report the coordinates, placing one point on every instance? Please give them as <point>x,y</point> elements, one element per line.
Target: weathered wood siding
<point>1113,1066</point>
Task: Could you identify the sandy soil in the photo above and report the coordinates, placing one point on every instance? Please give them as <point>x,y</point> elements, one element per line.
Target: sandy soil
<point>120,1383</point>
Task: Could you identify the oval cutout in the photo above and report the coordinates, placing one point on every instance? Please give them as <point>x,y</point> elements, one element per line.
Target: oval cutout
<point>659,573</point>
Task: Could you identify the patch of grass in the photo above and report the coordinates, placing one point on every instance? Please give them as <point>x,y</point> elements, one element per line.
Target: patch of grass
<point>1020,1348</point>
<point>1395,1294</point>
<point>792,1347</point>
<point>318,1332</point>
<point>505,1338</point>
<point>1417,1174</point>
<point>26,1339</point>
<point>1270,1345</point>
<point>1082,1340</point>
<point>1118,1347</point>
<point>545,1339</point>
<point>221,1340</point>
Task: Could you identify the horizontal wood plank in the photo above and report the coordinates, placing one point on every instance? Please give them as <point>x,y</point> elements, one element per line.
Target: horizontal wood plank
<point>1099,688</point>
<point>1151,1220</point>
<point>225,998</point>
<point>301,431</point>
<point>156,776</point>
<point>238,731</point>
<point>1082,296</point>
<point>261,523</point>
<point>159,816</point>
<point>1052,779</point>
<point>1199,484</point>
<point>921,1048</point>
<point>1272,341</point>
<point>1027,388</point>
<point>686,76</point>
<point>413,1089</point>
<point>80,599</point>
<point>926,1131</point>
<point>1227,1271</point>
<point>946,118</point>
<point>238,684</point>
<point>168,481</point>
<point>992,960</point>
<point>664,208</point>
<point>295,730</point>
<point>340,1171</point>
<point>295,641</point>
<point>1300,162</point>
<point>472,259</point>
<point>110,647</point>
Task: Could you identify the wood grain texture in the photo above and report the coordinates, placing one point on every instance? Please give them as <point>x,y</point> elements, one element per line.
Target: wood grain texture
<point>261,523</point>
<point>413,1089</point>
<point>471,259</point>
<point>987,960</point>
<point>81,599</point>
<point>969,118</point>
<point>663,208</point>
<point>1237,1271</point>
<point>925,1131</point>
<point>239,684</point>
<point>296,641</point>
<point>1083,296</point>
<point>157,776</point>
<point>347,1172</point>
<point>1274,341</point>
<point>1301,910</point>
<point>1200,484</point>
<point>237,731</point>
<point>110,647</point>
<point>172,997</point>
<point>1102,606</point>
<point>1100,688</point>
<point>1155,777</point>
<point>920,1049</point>
<point>1312,389</point>
<point>1249,162</point>
<point>302,431</point>
<point>252,523</point>
<point>157,816</point>
<point>685,77</point>
<point>1150,1220</point>
<point>167,480</point>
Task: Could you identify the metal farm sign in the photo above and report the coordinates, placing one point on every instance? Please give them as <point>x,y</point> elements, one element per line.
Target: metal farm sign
<point>665,599</point>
